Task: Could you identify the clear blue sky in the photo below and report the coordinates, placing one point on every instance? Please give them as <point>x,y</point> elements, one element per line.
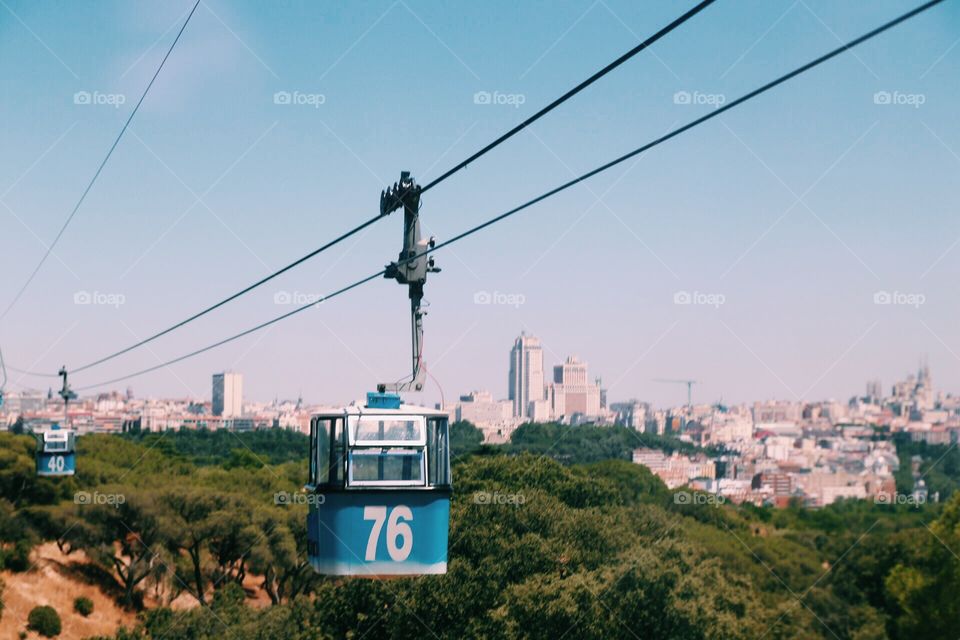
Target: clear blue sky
<point>714,211</point>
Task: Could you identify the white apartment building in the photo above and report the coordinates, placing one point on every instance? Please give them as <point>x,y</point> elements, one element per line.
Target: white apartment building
<point>227,395</point>
<point>493,417</point>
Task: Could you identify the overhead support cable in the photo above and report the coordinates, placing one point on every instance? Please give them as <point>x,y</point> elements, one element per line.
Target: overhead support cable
<point>96,175</point>
<point>569,94</point>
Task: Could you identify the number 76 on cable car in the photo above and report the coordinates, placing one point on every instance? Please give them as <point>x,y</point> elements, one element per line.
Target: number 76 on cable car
<point>381,481</point>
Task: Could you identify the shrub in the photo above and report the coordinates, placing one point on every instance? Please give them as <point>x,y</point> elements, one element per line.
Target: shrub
<point>45,621</point>
<point>18,558</point>
<point>83,606</point>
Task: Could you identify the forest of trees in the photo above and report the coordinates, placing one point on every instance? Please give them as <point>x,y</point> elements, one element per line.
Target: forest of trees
<point>597,548</point>
<point>940,466</point>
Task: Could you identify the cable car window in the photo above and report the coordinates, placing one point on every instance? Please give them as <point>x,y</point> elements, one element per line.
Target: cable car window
<point>325,450</point>
<point>439,445</point>
<point>337,455</point>
<point>382,467</point>
<point>373,429</point>
<point>55,445</point>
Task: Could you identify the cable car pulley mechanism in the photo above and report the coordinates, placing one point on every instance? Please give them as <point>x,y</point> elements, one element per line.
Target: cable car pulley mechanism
<point>411,269</point>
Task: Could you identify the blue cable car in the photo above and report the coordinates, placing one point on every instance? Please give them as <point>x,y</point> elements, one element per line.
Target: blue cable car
<point>57,449</point>
<point>379,483</point>
<point>57,454</point>
<point>380,490</point>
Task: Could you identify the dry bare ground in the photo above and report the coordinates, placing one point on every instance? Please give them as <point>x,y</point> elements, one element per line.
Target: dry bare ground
<point>50,582</point>
<point>53,580</point>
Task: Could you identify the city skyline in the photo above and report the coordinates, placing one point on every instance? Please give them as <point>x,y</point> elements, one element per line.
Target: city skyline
<point>871,386</point>
<point>823,251</point>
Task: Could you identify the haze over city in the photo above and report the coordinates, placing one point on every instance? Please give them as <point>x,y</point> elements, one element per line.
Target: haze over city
<point>785,222</point>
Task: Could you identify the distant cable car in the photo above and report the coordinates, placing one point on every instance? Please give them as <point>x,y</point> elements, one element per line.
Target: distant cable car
<point>57,449</point>
<point>380,474</point>
<point>57,454</point>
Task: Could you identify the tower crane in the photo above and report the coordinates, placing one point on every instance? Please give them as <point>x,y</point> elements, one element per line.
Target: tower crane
<point>689,384</point>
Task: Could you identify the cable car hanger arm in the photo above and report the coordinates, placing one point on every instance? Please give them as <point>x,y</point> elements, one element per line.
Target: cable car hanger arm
<point>411,269</point>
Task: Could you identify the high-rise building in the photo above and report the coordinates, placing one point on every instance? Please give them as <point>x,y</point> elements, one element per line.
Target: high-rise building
<point>571,393</point>
<point>526,374</point>
<point>228,394</point>
<point>572,372</point>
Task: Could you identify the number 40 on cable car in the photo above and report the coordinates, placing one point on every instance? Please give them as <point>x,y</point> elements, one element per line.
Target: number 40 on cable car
<point>57,453</point>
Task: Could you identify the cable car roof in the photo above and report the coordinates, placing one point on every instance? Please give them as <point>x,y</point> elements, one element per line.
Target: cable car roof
<point>359,410</point>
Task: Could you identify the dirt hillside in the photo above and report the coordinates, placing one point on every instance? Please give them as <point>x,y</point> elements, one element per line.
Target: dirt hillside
<point>50,582</point>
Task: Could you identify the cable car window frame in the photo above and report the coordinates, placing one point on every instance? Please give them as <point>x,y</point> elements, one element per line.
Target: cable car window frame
<point>438,447</point>
<point>314,453</point>
<point>355,420</point>
<point>326,451</point>
<point>382,452</point>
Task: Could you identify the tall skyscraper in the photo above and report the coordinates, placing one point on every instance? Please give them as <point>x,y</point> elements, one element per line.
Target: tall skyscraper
<point>228,394</point>
<point>526,374</point>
